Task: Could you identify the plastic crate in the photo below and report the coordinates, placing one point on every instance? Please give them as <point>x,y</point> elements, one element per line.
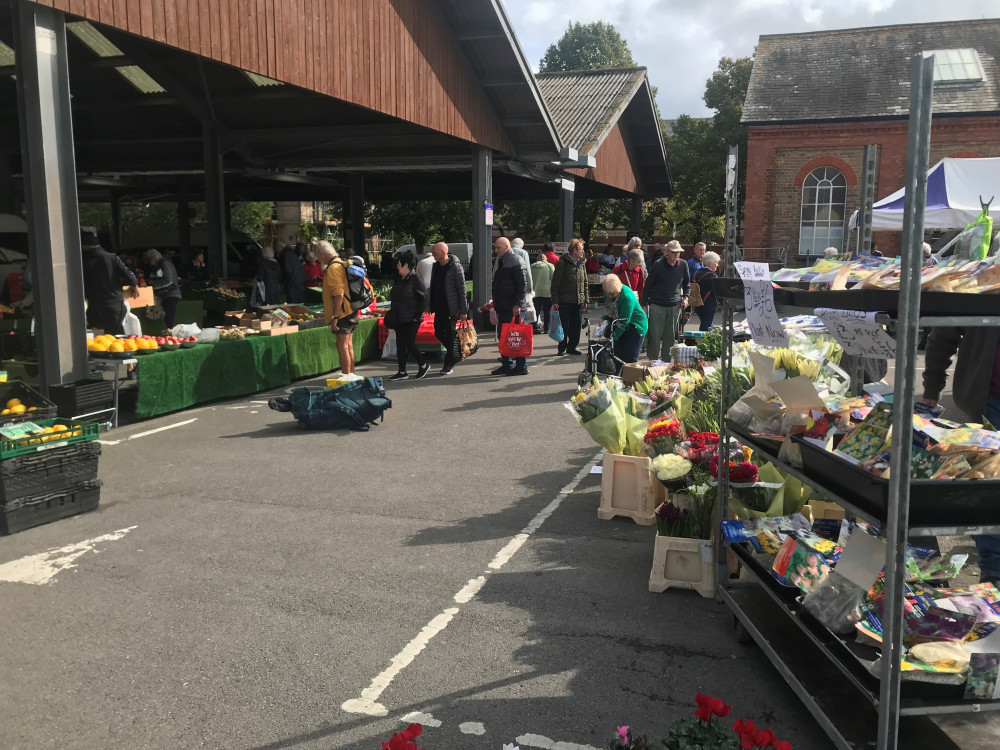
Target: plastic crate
<point>44,409</point>
<point>84,397</point>
<point>52,477</point>
<point>79,432</point>
<point>51,461</point>
<point>51,507</point>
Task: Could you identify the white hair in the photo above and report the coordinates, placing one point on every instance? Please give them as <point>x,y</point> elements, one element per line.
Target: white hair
<point>517,243</point>
<point>927,249</point>
<point>635,243</point>
<point>325,251</point>
<point>710,257</point>
<point>830,252</point>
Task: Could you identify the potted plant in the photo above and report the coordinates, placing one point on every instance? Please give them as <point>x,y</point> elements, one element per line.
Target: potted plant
<point>683,552</point>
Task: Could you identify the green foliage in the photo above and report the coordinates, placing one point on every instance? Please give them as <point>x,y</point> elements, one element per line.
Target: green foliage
<point>96,215</point>
<point>588,46</point>
<point>536,220</point>
<point>250,217</point>
<point>425,222</point>
<point>710,345</point>
<point>693,734</point>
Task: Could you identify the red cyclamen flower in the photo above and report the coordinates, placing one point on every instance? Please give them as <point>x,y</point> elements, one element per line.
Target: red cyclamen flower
<point>783,745</point>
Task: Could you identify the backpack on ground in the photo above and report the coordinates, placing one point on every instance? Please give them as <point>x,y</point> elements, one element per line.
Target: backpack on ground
<point>359,295</point>
<point>355,406</point>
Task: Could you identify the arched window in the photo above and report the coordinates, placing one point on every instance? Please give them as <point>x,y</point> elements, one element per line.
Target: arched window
<point>824,201</point>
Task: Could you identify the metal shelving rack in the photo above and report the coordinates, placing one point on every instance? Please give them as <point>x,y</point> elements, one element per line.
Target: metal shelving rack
<point>850,700</point>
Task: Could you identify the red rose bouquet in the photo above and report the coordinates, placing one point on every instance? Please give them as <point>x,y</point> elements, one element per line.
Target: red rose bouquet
<point>663,435</point>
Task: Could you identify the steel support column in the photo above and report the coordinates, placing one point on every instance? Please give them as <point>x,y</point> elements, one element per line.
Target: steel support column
<point>215,203</point>
<point>47,153</point>
<point>8,201</point>
<point>566,195</point>
<point>482,233</point>
<point>357,241</point>
<point>867,200</point>
<point>637,215</point>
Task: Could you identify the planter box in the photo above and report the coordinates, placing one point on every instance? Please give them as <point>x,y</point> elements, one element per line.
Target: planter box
<point>629,489</point>
<point>683,564</point>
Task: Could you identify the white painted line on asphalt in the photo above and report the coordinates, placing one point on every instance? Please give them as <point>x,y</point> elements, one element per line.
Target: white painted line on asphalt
<point>109,442</point>
<point>44,567</point>
<point>471,727</point>
<point>418,717</point>
<point>367,704</point>
<point>470,589</point>
<point>161,429</point>
<point>538,740</point>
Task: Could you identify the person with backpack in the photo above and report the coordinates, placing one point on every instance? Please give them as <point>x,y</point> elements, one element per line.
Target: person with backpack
<point>341,301</point>
<point>449,301</point>
<point>703,279</point>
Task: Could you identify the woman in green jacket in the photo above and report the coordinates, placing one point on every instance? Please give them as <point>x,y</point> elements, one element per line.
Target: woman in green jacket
<point>541,282</point>
<point>628,335</point>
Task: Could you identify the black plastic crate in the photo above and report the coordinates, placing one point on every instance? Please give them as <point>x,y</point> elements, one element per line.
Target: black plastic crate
<point>44,409</point>
<point>15,488</point>
<point>51,461</point>
<point>51,507</point>
<point>83,397</point>
<point>933,502</point>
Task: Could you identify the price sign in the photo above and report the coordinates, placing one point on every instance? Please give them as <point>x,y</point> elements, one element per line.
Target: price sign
<point>858,333</point>
<point>758,298</point>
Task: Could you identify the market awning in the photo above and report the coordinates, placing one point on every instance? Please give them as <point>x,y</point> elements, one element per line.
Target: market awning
<point>955,188</point>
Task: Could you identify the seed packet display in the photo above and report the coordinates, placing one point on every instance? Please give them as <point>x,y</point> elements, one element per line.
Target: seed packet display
<point>982,681</point>
<point>982,610</point>
<point>934,568</point>
<point>798,565</point>
<point>937,624</point>
<point>864,442</point>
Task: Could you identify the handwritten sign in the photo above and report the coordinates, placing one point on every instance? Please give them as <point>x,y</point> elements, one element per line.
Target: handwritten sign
<point>758,298</point>
<point>858,333</point>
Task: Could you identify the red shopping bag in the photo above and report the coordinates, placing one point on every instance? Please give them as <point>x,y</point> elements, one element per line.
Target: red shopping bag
<point>516,339</point>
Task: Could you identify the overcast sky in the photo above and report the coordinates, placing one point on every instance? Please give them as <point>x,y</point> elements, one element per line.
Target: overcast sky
<point>681,41</point>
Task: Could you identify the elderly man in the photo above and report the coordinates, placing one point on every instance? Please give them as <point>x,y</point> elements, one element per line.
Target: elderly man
<point>570,296</point>
<point>449,302</point>
<point>695,261</point>
<point>517,247</point>
<point>666,294</point>
<point>337,304</point>
<point>510,285</point>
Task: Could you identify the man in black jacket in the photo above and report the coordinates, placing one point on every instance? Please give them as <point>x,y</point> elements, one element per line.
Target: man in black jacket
<point>449,302</point>
<point>104,275</point>
<point>510,285</point>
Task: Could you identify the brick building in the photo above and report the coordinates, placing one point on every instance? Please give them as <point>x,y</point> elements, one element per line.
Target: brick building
<point>816,100</point>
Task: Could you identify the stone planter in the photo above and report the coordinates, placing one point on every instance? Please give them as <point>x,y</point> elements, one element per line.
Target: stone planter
<point>683,564</point>
<point>629,489</point>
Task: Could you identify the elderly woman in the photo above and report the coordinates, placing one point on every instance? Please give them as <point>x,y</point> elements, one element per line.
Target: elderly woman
<point>632,326</point>
<point>631,272</point>
<point>166,284</point>
<point>704,278</point>
<point>408,298</point>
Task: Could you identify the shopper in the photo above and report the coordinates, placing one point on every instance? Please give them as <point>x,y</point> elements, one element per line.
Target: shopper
<point>696,260</point>
<point>631,273</point>
<point>510,286</point>
<point>448,300</point>
<point>705,278</point>
<point>976,389</point>
<point>408,299</point>
<point>593,264</point>
<point>550,253</point>
<point>269,273</point>
<point>424,268</point>
<point>570,296</point>
<point>166,284</point>
<point>337,304</point>
<point>196,270</point>
<point>313,268</point>
<point>632,322</point>
<point>665,295</point>
<point>104,276</point>
<point>293,274</point>
<point>541,281</point>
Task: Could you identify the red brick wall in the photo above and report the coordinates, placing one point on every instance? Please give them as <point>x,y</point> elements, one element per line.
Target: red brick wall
<point>776,154</point>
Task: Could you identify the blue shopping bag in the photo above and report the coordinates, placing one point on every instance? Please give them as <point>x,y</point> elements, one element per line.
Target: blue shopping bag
<point>555,327</point>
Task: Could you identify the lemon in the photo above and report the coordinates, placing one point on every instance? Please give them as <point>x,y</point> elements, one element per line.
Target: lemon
<point>13,402</point>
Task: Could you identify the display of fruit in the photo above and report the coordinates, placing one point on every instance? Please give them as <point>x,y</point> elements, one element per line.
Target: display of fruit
<point>52,433</point>
<point>231,334</point>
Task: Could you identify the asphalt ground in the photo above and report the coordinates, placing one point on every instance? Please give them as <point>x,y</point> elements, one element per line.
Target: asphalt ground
<point>252,578</point>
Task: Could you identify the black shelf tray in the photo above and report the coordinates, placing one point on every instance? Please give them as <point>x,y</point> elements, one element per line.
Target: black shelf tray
<point>933,502</point>
<point>733,289</point>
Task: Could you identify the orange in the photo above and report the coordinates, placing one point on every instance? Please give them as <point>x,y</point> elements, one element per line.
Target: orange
<point>118,346</point>
<point>99,346</point>
<point>19,409</point>
<point>142,343</point>
<point>130,346</point>
<point>59,428</point>
<point>32,408</point>
<point>13,402</point>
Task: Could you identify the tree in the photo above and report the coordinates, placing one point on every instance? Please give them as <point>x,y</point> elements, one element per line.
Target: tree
<point>425,222</point>
<point>250,217</point>
<point>530,220</point>
<point>588,46</point>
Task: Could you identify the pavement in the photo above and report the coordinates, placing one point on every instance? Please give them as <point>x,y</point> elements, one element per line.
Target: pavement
<point>248,584</point>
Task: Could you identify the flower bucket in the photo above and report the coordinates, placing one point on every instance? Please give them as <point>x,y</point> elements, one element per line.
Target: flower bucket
<point>629,489</point>
<point>680,563</point>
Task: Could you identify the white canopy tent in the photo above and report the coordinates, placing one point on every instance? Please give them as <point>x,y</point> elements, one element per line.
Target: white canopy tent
<point>954,189</point>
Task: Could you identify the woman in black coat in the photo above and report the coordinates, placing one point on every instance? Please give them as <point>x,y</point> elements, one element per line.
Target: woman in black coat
<point>408,299</point>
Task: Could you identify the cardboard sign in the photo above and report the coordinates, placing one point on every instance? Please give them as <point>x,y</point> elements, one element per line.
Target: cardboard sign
<point>758,298</point>
<point>858,333</point>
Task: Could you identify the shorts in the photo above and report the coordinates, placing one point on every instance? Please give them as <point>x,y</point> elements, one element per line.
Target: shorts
<point>348,324</point>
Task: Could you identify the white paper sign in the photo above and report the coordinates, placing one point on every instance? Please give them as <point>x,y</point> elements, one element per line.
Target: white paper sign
<point>858,332</point>
<point>758,297</point>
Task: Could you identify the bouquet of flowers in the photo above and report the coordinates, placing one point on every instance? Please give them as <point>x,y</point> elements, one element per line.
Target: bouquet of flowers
<point>663,435</point>
<point>699,446</point>
<point>673,521</point>
<point>742,473</point>
<point>671,469</point>
<point>635,408</point>
<point>754,491</point>
<point>598,411</point>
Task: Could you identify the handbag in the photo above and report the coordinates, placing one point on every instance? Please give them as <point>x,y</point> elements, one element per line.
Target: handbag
<point>556,332</point>
<point>528,311</point>
<point>468,340</point>
<point>516,339</point>
<point>694,295</point>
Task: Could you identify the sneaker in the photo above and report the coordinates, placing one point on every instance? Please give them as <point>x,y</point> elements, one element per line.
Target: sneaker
<point>446,370</point>
<point>502,371</point>
<point>560,352</point>
<point>400,376</point>
<point>577,352</point>
<point>423,370</point>
<point>517,371</point>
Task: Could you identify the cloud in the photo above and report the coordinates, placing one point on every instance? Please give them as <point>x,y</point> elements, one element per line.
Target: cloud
<point>681,41</point>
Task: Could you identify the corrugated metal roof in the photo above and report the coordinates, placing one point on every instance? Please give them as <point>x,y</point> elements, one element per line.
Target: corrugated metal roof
<point>586,104</point>
<point>853,74</point>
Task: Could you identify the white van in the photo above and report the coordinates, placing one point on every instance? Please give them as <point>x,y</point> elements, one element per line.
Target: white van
<point>461,250</point>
